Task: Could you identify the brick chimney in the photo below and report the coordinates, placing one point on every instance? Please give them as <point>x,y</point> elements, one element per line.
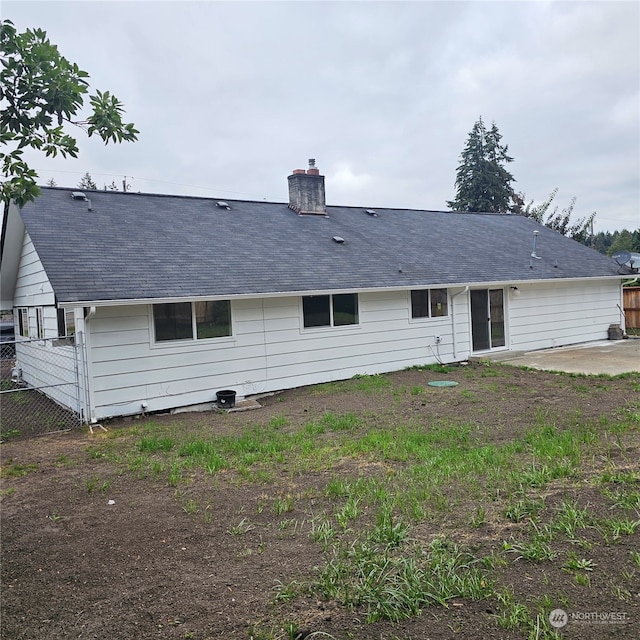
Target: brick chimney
<point>306,191</point>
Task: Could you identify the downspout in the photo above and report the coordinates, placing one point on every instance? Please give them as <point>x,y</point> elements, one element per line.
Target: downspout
<point>453,320</point>
<point>90,312</point>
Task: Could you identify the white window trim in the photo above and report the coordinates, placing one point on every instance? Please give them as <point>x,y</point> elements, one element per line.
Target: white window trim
<point>194,340</point>
<point>428,318</point>
<point>328,327</point>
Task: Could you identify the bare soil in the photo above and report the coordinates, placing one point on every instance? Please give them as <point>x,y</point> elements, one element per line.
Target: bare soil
<point>147,566</point>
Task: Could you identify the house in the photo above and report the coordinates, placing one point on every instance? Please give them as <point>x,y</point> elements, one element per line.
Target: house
<point>159,301</point>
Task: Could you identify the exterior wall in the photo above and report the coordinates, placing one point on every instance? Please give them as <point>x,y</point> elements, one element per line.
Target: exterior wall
<point>269,350</point>
<point>32,285</point>
<point>555,314</point>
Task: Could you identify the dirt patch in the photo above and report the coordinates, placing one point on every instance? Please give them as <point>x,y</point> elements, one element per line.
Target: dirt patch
<point>100,540</point>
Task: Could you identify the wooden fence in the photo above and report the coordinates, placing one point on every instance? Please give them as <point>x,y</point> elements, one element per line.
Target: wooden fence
<point>631,304</point>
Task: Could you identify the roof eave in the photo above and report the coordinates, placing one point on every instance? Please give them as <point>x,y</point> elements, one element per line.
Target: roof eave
<point>288,294</point>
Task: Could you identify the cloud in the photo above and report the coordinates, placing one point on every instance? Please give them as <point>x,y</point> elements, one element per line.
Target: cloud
<point>231,96</point>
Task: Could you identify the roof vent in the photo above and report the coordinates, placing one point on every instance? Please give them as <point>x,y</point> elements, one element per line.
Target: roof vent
<point>338,239</point>
<point>371,212</point>
<point>78,195</point>
<point>223,205</point>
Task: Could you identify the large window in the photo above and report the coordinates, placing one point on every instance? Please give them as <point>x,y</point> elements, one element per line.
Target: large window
<point>330,311</point>
<point>184,320</point>
<point>429,303</point>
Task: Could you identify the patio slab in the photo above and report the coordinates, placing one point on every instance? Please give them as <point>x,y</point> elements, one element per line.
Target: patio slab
<point>611,357</point>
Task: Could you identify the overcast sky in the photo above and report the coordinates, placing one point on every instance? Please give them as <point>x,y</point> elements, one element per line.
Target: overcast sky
<point>230,97</point>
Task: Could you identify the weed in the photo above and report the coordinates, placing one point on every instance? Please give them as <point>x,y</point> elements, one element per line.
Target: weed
<point>478,518</point>
<point>617,527</point>
<point>283,504</point>
<point>93,483</point>
<point>10,433</point>
<point>153,443</point>
<point>191,507</point>
<point>524,508</point>
<point>623,499</point>
<point>513,615</point>
<point>244,526</point>
<point>322,532</point>
<point>574,563</point>
<point>17,470</point>
<point>535,550</point>
<point>570,518</point>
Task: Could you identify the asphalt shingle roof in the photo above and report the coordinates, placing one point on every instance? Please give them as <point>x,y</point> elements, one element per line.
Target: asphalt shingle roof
<point>139,246</point>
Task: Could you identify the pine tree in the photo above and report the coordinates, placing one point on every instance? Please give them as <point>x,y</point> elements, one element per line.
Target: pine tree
<point>86,182</point>
<point>482,181</point>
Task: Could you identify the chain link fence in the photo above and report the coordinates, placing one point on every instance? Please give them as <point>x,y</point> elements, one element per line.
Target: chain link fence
<point>40,390</point>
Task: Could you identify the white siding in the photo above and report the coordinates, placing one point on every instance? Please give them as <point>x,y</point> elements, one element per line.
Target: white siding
<point>32,284</point>
<point>269,350</point>
<point>552,315</point>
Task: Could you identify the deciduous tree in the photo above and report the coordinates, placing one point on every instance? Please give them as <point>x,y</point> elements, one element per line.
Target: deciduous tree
<point>41,93</point>
<point>560,221</point>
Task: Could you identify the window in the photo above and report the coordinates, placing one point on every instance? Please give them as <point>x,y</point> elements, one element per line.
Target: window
<point>173,321</point>
<point>429,303</point>
<point>330,311</point>
<point>213,319</point>
<point>23,322</point>
<point>184,320</point>
<point>66,323</point>
<point>39,322</point>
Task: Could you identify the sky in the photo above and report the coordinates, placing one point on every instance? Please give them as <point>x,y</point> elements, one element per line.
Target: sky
<point>231,97</point>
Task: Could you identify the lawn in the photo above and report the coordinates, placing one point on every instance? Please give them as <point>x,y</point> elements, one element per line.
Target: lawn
<point>377,507</point>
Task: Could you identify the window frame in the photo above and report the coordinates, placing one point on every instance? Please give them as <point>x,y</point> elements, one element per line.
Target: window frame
<point>429,304</point>
<point>40,323</point>
<point>194,325</point>
<point>331,297</point>
<point>23,322</point>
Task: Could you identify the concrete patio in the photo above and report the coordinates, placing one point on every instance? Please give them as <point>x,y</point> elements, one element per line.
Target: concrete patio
<point>611,357</point>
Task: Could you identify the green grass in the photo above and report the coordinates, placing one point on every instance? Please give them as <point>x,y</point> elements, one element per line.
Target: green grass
<point>385,484</point>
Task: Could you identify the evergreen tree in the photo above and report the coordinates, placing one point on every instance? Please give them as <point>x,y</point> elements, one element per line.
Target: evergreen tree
<point>87,183</point>
<point>482,181</point>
